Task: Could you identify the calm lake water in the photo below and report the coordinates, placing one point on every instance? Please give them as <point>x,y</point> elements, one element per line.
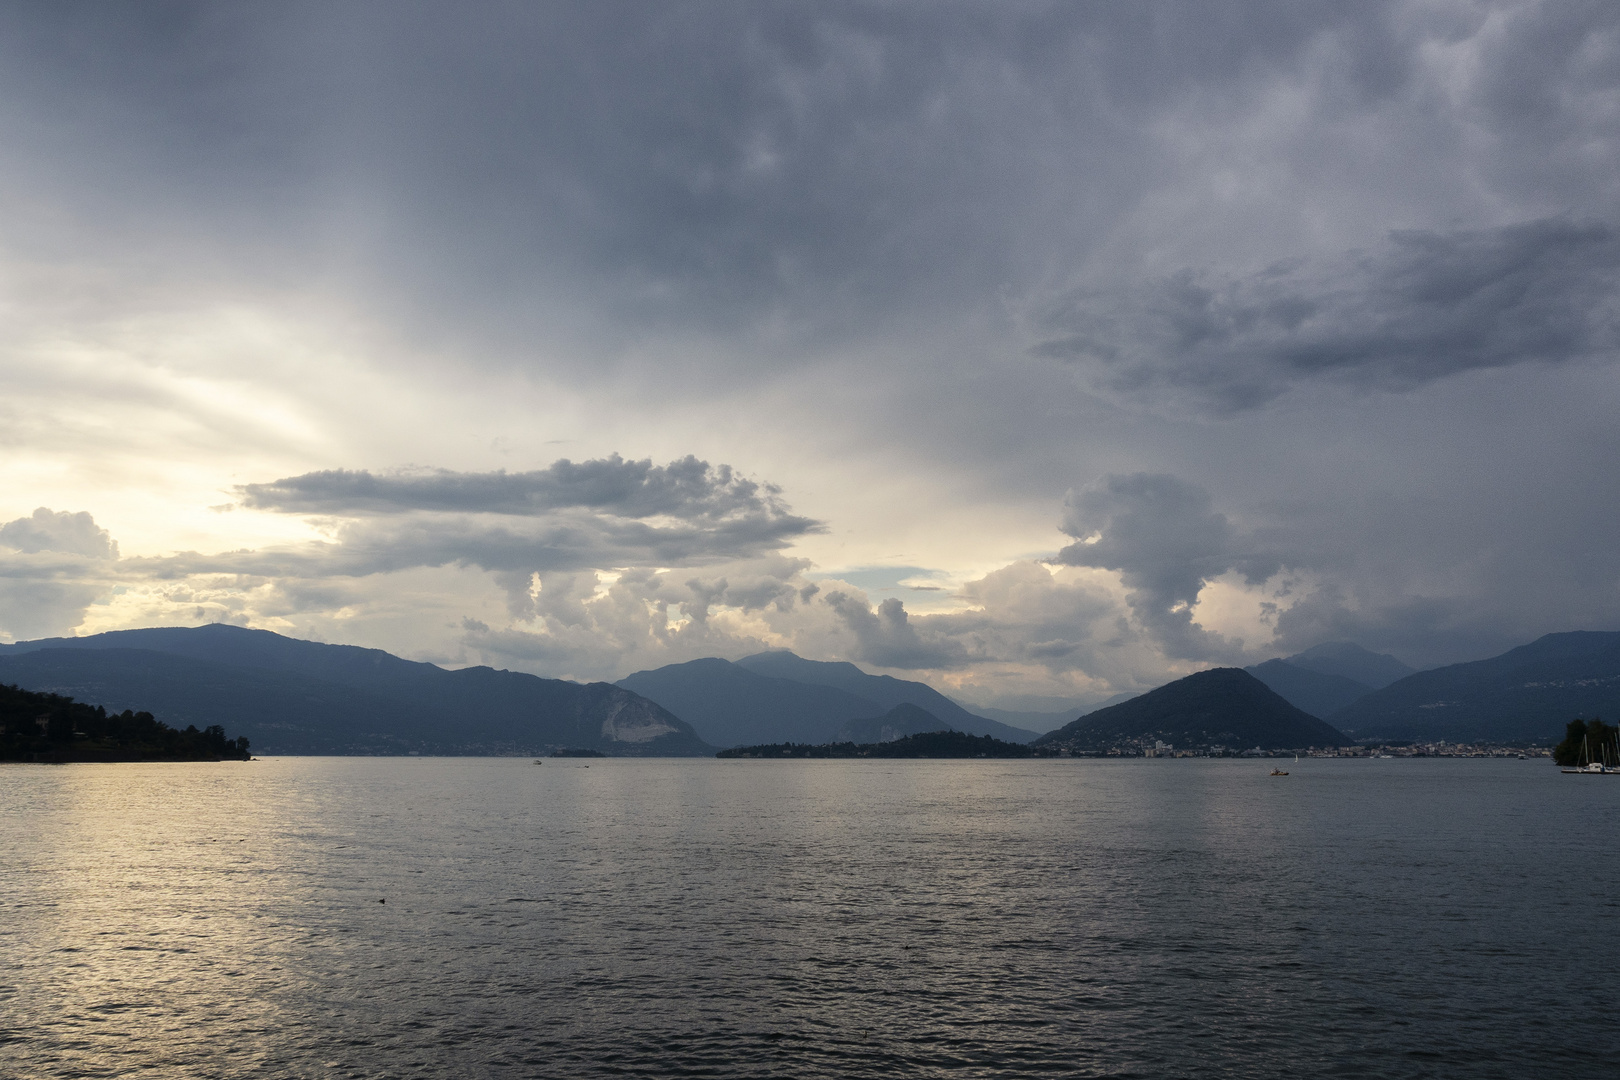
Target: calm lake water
<point>813,918</point>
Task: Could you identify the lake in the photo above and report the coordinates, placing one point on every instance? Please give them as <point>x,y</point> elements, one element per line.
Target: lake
<point>418,917</point>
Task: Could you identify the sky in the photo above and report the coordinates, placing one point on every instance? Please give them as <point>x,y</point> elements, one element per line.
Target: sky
<point>1038,351</point>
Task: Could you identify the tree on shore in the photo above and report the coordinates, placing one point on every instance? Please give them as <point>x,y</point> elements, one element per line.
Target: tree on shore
<point>1586,741</point>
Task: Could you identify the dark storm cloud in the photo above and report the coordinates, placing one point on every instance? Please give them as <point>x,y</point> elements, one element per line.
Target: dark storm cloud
<point>700,164</point>
<point>1425,306</point>
<point>591,171</point>
<point>1166,541</point>
<point>569,516</point>
<point>565,541</point>
<point>688,489</point>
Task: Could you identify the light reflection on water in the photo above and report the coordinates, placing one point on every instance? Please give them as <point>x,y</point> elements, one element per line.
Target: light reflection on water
<point>780,918</point>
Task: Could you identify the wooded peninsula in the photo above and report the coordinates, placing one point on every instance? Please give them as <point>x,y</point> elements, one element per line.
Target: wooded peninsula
<point>930,744</point>
<point>52,728</point>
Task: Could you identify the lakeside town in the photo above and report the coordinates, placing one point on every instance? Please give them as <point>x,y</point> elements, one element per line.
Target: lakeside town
<point>1382,750</point>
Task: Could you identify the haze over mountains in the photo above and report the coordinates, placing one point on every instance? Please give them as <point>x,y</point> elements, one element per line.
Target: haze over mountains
<point>777,696</point>
<point>1348,660</point>
<point>900,722</point>
<point>1317,693</point>
<point>1042,720</point>
<point>1330,676</point>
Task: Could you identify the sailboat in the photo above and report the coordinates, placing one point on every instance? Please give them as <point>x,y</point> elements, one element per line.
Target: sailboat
<point>1595,768</point>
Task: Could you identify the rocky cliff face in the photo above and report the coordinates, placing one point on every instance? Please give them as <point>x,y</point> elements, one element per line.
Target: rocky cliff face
<point>621,722</point>
<point>633,719</point>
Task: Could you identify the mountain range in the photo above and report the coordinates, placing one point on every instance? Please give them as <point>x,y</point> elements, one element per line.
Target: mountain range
<point>1526,694</point>
<point>776,696</point>
<point>292,696</point>
<point>1329,677</point>
<point>303,697</point>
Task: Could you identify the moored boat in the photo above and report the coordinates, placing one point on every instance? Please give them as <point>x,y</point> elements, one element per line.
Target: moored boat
<point>1596,766</point>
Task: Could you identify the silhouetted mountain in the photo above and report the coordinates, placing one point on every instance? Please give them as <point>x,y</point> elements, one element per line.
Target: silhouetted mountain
<point>1316,692</point>
<point>729,705</point>
<point>930,744</point>
<point>295,697</point>
<point>1350,661</point>
<point>884,691</point>
<point>897,723</point>
<point>1526,694</point>
<point>1222,707</point>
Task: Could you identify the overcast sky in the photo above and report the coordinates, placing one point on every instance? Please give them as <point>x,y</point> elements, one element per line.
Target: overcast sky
<point>1039,351</point>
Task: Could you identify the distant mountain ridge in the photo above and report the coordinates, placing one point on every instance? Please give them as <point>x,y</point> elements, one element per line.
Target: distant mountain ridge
<point>729,705</point>
<point>1348,660</point>
<point>292,696</point>
<point>1315,692</point>
<point>776,697</point>
<point>884,690</point>
<point>1526,694</point>
<point>1324,679</point>
<point>1220,707</point>
<point>900,722</point>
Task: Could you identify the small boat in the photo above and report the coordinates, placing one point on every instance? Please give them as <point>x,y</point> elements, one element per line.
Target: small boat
<point>1278,772</point>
